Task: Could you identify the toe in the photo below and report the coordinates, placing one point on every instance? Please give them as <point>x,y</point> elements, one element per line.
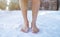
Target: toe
<point>25,30</point>
<point>35,30</point>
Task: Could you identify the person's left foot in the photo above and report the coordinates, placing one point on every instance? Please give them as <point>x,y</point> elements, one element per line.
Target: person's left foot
<point>34,29</point>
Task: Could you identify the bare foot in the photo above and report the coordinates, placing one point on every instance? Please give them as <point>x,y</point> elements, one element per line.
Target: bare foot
<point>25,28</point>
<point>34,29</point>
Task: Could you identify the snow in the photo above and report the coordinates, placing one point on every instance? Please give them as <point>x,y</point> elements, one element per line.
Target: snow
<point>11,22</point>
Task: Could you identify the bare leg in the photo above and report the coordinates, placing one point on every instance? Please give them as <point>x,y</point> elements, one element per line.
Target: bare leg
<point>35,8</point>
<point>23,5</point>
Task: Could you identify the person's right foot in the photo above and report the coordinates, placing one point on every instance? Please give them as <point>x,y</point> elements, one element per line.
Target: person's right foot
<point>25,28</point>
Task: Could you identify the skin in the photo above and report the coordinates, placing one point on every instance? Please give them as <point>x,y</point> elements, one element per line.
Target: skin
<point>35,8</point>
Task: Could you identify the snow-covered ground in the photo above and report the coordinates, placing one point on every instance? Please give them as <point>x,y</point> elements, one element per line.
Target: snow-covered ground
<point>11,22</point>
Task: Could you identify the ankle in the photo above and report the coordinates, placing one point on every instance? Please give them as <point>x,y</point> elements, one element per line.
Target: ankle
<point>26,23</point>
<point>33,25</point>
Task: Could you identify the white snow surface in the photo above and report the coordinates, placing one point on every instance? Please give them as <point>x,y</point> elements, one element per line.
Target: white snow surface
<point>48,23</point>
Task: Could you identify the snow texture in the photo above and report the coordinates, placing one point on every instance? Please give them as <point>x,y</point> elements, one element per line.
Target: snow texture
<point>11,22</point>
